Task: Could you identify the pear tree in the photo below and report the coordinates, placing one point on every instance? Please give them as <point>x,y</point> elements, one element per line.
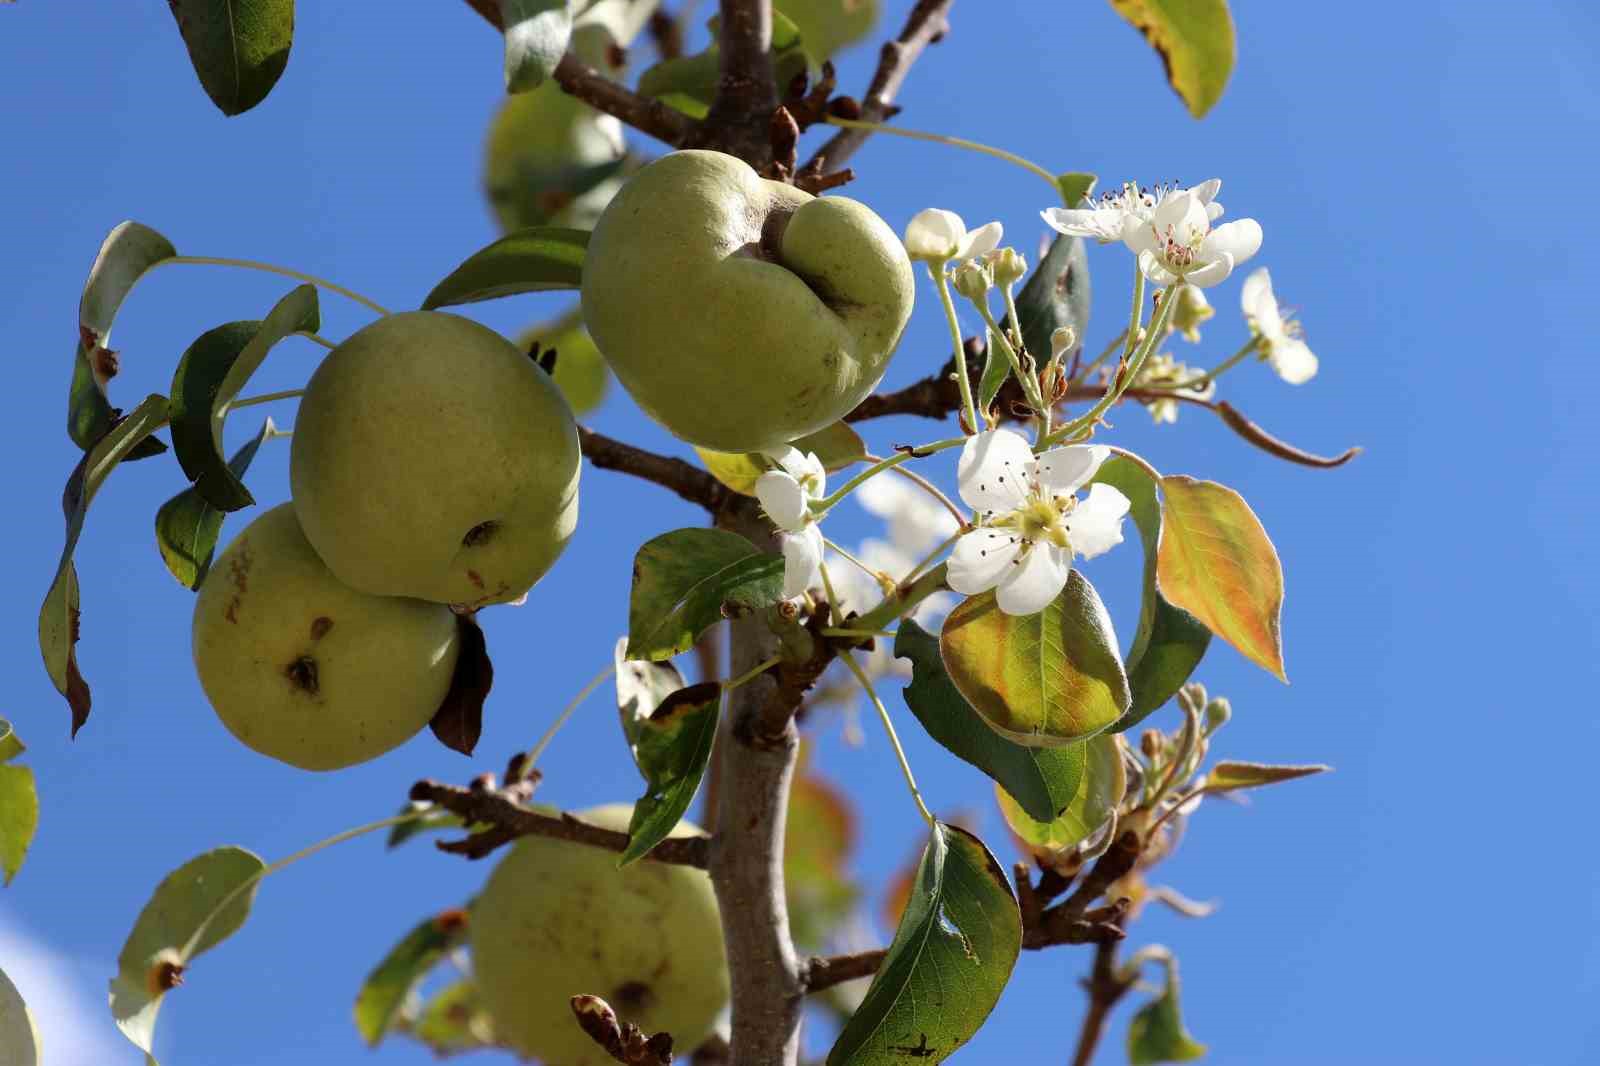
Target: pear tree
<point>748,308</point>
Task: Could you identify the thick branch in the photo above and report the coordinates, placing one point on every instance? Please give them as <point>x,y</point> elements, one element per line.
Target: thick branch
<point>685,479</point>
<point>508,821</point>
<point>758,753</point>
<point>745,84</point>
<point>928,22</point>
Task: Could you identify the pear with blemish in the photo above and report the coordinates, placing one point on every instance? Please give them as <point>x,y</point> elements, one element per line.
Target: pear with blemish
<point>558,919</point>
<point>305,669</point>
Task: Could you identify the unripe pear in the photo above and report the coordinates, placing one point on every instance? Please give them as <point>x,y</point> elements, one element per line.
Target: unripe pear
<point>742,313</point>
<point>558,919</point>
<point>433,459</point>
<point>300,666</point>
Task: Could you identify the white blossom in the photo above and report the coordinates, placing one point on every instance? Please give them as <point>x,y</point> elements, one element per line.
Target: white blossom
<point>1163,371</point>
<point>1284,350</point>
<point>938,236</point>
<point>786,494</point>
<point>1116,213</point>
<point>1178,243</point>
<point>916,520</point>
<point>1031,522</point>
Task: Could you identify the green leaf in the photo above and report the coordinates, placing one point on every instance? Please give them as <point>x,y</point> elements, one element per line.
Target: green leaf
<point>58,616</point>
<point>537,33</point>
<point>1156,1033</point>
<point>238,47</point>
<point>125,256</point>
<point>682,579</point>
<point>996,369</point>
<point>1056,294</point>
<point>1195,41</point>
<point>673,747</point>
<point>1104,780</point>
<point>1170,642</point>
<point>19,1036</point>
<point>536,259</point>
<point>1232,776</point>
<point>836,447</point>
<point>408,962</point>
<point>194,909</point>
<point>210,375</point>
<point>641,687</point>
<point>10,745</point>
<point>454,1021</point>
<point>19,817</point>
<point>1046,679</point>
<point>826,26</point>
<point>1042,780</point>
<point>1216,562</point>
<point>951,957</point>
<point>187,527</point>
<point>1075,186</point>
<point>580,372</point>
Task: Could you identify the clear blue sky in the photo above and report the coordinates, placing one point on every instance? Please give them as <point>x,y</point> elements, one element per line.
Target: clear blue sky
<point>1434,901</point>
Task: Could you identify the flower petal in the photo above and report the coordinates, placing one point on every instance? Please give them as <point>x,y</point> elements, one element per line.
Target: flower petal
<point>985,238</point>
<point>802,556</point>
<point>980,559</point>
<point>994,471</point>
<point>1095,525</point>
<point>1206,192</point>
<point>1293,360</point>
<point>1066,470</point>
<point>1104,224</point>
<point>1240,239</point>
<point>1212,273</point>
<point>1153,269</point>
<point>783,499</point>
<point>934,234</point>
<point>1036,579</point>
<point>1261,305</point>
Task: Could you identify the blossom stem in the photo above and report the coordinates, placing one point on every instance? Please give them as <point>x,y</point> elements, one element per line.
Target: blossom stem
<point>269,268</point>
<point>835,612</point>
<point>902,604</point>
<point>955,142</point>
<point>888,726</point>
<point>266,397</point>
<point>1030,384</point>
<point>823,506</point>
<point>1131,336</point>
<point>1126,374</point>
<point>317,338</point>
<point>962,381</point>
<point>1198,383</point>
<point>832,632</point>
<point>1027,376</point>
<point>863,567</point>
<point>561,719</point>
<point>1083,373</point>
<point>751,674</point>
<point>925,485</point>
<point>944,546</point>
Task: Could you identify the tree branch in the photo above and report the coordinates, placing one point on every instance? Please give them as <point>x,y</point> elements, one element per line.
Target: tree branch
<point>509,820</point>
<point>928,22</point>
<point>1105,990</point>
<point>685,479</point>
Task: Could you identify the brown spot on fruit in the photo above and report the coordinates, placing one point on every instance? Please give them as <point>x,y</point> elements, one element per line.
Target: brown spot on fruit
<point>476,579</point>
<point>320,627</point>
<point>633,996</point>
<point>480,534</point>
<point>302,674</point>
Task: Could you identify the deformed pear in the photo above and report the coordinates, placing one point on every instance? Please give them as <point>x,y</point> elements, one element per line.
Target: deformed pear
<point>558,919</point>
<point>300,666</point>
<point>433,459</point>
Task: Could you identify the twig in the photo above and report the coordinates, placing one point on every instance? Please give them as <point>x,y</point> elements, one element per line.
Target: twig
<point>1105,990</point>
<point>927,23</point>
<point>825,972</point>
<point>685,479</point>
<point>508,821</point>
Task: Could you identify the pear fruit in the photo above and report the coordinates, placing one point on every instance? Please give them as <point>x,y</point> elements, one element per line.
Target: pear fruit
<point>558,919</point>
<point>433,459</point>
<point>305,669</point>
<point>739,312</point>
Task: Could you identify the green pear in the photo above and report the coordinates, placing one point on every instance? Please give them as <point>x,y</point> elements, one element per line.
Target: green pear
<point>433,459</point>
<point>742,313</point>
<point>558,919</point>
<point>300,666</point>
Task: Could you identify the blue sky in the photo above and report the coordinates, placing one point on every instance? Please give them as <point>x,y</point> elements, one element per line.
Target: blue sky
<point>1431,901</point>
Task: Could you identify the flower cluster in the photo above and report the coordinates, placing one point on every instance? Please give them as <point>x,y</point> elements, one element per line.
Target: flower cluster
<point>786,494</point>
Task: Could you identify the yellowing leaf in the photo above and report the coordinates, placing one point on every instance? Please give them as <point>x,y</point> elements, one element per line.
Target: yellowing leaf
<point>1195,41</point>
<point>836,447</point>
<point>1105,779</point>
<point>1229,776</point>
<point>1216,562</point>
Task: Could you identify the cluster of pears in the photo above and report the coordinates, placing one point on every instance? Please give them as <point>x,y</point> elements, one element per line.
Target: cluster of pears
<point>433,466</point>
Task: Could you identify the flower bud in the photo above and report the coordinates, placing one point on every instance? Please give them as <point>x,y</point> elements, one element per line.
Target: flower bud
<point>1008,265</point>
<point>1218,711</point>
<point>974,279</point>
<point>1062,341</point>
<point>1192,309</point>
<point>934,235</point>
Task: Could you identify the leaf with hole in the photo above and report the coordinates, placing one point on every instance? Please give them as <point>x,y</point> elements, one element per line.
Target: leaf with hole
<point>642,685</point>
<point>210,375</point>
<point>951,957</point>
<point>1216,562</point>
<point>187,527</point>
<point>58,616</point>
<point>1047,679</point>
<point>537,259</point>
<point>672,750</point>
<point>238,48</point>
<point>394,979</point>
<point>193,909</point>
<point>682,581</point>
<point>129,252</point>
<point>19,1036</point>
<point>1169,641</point>
<point>1100,789</point>
<point>1042,780</point>
<point>1195,41</point>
